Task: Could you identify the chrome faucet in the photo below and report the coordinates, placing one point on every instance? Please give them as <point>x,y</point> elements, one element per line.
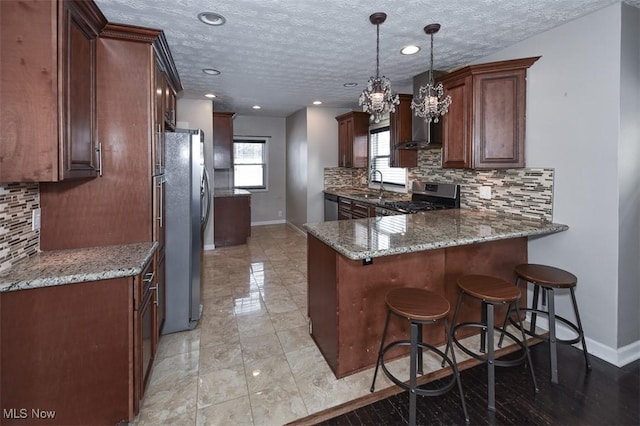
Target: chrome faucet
<point>373,172</point>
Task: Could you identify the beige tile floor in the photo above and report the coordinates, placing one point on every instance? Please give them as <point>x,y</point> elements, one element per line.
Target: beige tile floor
<point>251,360</point>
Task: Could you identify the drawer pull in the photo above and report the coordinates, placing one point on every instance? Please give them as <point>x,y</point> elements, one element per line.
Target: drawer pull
<point>148,277</point>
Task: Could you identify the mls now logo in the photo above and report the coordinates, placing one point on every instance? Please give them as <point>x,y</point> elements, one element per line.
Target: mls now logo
<point>23,413</point>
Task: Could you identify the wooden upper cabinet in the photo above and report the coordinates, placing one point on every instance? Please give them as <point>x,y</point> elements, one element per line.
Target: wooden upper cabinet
<point>485,125</point>
<point>353,139</point>
<point>401,131</point>
<point>48,90</point>
<point>223,140</point>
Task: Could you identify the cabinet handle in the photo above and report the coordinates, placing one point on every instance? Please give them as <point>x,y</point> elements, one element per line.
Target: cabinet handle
<point>155,288</point>
<point>148,277</point>
<point>99,151</point>
<point>160,217</point>
<point>159,144</point>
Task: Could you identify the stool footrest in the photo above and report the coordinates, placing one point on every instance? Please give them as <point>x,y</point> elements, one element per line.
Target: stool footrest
<point>565,321</point>
<point>420,391</point>
<point>483,358</point>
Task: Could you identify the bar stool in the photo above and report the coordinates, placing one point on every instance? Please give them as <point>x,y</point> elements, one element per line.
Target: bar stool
<point>491,291</point>
<point>420,307</point>
<point>550,279</point>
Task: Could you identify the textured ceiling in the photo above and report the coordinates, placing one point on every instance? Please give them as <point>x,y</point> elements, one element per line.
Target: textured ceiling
<point>284,54</point>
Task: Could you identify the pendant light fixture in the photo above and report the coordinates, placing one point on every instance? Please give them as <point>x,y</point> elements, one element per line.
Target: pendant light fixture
<point>377,98</point>
<point>431,103</point>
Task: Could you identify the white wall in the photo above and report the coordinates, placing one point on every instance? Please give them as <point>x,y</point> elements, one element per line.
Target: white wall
<point>269,206</point>
<point>198,114</point>
<point>296,186</point>
<point>312,145</point>
<point>322,135</point>
<point>629,180</point>
<point>573,117</point>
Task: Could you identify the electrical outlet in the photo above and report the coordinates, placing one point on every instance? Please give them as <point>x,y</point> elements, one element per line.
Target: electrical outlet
<point>279,213</point>
<point>485,192</point>
<point>35,219</point>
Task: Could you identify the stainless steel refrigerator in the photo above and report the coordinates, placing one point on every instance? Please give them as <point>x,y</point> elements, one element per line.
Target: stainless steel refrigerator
<point>188,202</point>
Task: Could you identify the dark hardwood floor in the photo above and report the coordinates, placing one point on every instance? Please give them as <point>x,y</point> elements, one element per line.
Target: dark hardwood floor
<point>607,395</point>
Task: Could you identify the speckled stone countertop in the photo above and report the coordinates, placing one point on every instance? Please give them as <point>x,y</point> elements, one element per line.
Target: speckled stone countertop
<point>387,235</point>
<point>59,267</point>
<point>230,193</point>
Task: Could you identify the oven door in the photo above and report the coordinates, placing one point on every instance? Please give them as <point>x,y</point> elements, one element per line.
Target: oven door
<point>381,211</point>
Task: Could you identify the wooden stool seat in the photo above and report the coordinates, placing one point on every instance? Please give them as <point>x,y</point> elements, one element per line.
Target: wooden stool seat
<point>546,275</point>
<point>489,289</point>
<point>415,303</point>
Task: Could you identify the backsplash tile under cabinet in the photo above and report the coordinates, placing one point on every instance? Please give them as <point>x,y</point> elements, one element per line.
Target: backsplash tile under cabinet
<point>17,240</point>
<point>522,192</point>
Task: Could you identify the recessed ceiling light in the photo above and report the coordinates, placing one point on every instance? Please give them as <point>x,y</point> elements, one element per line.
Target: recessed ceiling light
<point>410,50</point>
<point>211,18</point>
<point>256,107</point>
<point>211,71</point>
<point>317,102</point>
<point>350,84</point>
<point>210,95</point>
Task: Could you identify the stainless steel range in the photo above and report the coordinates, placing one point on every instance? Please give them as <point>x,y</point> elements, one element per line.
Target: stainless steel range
<point>425,196</point>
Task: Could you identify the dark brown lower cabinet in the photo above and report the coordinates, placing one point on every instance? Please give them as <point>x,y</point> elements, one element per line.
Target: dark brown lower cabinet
<point>351,209</point>
<point>76,354</point>
<point>231,220</point>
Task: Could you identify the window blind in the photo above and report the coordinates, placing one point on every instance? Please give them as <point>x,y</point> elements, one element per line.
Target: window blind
<point>380,149</point>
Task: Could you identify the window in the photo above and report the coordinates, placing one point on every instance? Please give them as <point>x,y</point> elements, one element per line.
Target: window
<point>380,146</point>
<point>250,163</point>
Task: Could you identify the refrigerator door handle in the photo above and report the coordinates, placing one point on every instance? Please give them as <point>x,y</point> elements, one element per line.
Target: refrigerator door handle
<point>205,191</point>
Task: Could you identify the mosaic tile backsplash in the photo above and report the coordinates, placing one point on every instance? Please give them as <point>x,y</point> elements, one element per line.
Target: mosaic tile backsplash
<point>523,192</point>
<point>17,240</point>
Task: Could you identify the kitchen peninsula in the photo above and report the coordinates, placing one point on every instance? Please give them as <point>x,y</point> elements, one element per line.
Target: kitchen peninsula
<point>352,264</point>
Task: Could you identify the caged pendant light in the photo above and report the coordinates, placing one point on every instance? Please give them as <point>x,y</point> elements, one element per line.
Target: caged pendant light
<point>377,98</point>
<point>431,103</point>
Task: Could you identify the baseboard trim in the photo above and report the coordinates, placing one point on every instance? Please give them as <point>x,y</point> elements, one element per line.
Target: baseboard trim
<point>208,247</point>
<point>616,356</point>
<point>268,222</point>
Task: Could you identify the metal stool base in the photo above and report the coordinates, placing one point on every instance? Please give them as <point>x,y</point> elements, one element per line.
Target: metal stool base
<point>552,318</point>
<point>415,365</point>
<point>487,339</point>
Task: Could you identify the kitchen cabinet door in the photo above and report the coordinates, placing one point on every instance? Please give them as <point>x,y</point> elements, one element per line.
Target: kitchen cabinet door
<point>485,125</point>
<point>401,131</point>
<point>353,139</point>
<point>48,90</point>
<point>223,140</point>
<point>69,348</point>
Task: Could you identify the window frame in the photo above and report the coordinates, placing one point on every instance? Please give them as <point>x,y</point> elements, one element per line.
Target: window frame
<point>265,158</point>
<point>374,183</point>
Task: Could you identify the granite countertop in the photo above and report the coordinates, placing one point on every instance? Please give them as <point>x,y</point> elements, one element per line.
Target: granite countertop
<point>387,235</point>
<point>59,267</point>
<point>232,192</point>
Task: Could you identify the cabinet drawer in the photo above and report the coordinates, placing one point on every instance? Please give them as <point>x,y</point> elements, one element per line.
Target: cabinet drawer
<point>359,209</point>
<point>144,285</point>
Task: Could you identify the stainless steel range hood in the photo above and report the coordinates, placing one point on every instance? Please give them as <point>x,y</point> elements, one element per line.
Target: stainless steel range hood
<point>421,139</point>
